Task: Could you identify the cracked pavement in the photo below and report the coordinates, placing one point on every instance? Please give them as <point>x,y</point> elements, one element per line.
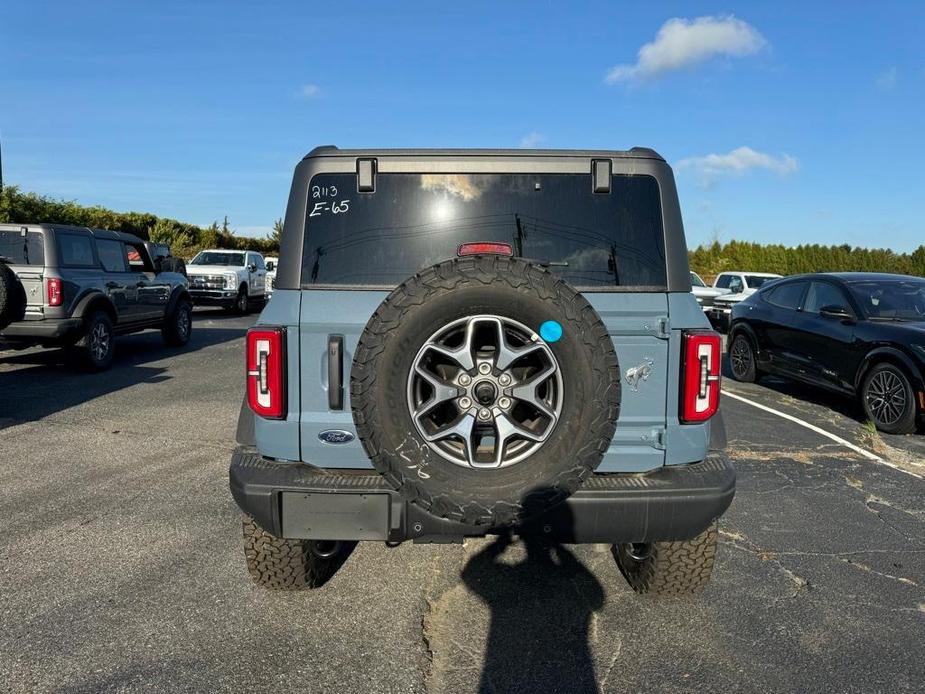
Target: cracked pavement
<point>121,566</point>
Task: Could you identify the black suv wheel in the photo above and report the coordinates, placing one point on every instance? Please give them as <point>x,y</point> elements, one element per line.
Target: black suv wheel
<point>742,359</point>
<point>888,399</point>
<point>178,325</point>
<point>97,346</point>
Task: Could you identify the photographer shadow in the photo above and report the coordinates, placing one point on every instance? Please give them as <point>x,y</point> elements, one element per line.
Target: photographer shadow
<point>541,614</point>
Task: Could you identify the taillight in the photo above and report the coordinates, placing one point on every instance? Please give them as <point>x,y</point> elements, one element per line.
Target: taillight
<point>266,377</point>
<point>700,380</point>
<point>485,248</point>
<point>53,291</point>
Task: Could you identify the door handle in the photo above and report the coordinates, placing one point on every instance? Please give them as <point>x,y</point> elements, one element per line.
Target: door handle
<point>335,372</point>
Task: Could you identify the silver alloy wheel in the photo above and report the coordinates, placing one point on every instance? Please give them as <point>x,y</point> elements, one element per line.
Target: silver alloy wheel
<point>485,364</point>
<point>740,356</point>
<point>99,341</point>
<point>242,301</point>
<point>886,397</point>
<point>183,322</point>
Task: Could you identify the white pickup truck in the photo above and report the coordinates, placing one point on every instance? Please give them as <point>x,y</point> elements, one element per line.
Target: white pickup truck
<point>235,280</point>
<point>738,286</point>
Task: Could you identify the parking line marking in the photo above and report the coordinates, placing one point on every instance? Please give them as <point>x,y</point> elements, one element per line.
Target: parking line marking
<point>829,435</point>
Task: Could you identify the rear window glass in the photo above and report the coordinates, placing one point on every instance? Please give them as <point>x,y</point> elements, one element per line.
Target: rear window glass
<point>112,255</point>
<point>787,295</point>
<point>413,221</point>
<point>76,250</point>
<point>19,250</point>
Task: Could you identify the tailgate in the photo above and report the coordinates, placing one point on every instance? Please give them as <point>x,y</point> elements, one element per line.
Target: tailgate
<point>635,321</point>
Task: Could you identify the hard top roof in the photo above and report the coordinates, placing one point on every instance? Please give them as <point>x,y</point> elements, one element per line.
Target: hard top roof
<point>633,153</point>
<point>71,228</point>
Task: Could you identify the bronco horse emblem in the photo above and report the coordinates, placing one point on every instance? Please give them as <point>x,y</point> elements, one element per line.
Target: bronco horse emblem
<point>638,373</point>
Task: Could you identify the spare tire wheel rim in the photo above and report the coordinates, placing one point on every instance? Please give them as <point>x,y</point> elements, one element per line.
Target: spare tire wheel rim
<point>485,391</point>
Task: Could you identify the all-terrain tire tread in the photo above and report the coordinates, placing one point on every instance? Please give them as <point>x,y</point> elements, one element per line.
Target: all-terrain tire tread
<point>673,568</point>
<point>444,278</point>
<point>281,564</point>
<point>12,297</point>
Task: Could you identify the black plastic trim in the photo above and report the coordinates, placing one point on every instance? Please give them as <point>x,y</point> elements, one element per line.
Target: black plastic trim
<point>336,372</point>
<point>674,502</point>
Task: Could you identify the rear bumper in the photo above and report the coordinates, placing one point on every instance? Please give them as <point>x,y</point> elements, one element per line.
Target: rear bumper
<point>295,500</point>
<point>41,330</point>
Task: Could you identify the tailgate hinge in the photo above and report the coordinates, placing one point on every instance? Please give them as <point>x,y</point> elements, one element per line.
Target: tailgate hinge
<point>656,438</point>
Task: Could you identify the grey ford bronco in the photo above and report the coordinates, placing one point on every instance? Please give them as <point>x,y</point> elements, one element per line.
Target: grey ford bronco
<point>74,287</point>
<point>473,342</point>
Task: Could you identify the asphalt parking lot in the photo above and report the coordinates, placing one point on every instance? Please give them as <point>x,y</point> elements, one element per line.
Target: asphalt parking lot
<point>121,566</point>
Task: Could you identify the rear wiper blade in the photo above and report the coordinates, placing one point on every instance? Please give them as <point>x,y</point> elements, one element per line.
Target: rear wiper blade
<point>549,263</point>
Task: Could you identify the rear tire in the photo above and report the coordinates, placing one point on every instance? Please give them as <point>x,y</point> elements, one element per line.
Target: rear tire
<point>178,326</point>
<point>668,568</point>
<point>280,564</point>
<point>889,400</point>
<point>742,360</point>
<point>12,297</point>
<point>96,347</point>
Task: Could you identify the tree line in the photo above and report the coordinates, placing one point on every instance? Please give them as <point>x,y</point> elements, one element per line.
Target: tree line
<point>185,240</point>
<point>708,261</point>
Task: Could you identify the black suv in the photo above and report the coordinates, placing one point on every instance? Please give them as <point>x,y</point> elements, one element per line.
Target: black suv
<point>66,286</point>
<point>860,334</point>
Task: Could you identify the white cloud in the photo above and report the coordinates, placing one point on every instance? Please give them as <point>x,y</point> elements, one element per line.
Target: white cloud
<point>532,140</point>
<point>681,43</point>
<point>309,91</point>
<point>886,80</point>
<point>737,163</point>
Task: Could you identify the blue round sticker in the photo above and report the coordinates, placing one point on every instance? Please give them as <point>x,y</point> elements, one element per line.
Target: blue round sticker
<point>551,331</point>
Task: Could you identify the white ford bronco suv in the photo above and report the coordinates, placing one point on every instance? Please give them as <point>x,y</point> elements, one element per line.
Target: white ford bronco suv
<point>474,342</point>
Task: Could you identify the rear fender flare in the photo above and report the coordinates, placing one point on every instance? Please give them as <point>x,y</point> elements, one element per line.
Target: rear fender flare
<point>95,301</point>
<point>894,356</point>
<point>178,294</point>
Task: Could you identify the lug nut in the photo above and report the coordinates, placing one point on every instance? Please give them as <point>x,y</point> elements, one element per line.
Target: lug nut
<point>504,380</point>
<point>504,403</point>
<point>465,379</point>
<point>484,368</point>
<point>484,413</point>
<point>465,403</point>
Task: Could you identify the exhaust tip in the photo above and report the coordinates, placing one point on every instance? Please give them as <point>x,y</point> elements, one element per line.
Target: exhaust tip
<point>325,549</point>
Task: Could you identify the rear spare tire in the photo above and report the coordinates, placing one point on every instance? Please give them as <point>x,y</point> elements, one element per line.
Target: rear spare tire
<point>485,389</point>
<point>12,297</point>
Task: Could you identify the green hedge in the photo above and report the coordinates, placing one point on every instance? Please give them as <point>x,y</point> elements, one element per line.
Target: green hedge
<point>185,239</point>
<point>710,260</point>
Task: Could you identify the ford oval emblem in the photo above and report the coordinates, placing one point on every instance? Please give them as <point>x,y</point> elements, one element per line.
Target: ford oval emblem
<point>335,436</point>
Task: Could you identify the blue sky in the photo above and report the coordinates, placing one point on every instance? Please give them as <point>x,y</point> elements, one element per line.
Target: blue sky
<point>814,111</point>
